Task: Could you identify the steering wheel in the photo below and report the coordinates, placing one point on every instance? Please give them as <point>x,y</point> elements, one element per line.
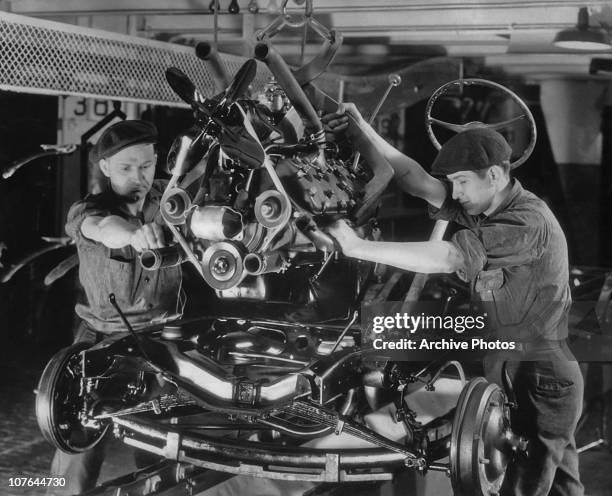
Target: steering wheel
<point>458,128</point>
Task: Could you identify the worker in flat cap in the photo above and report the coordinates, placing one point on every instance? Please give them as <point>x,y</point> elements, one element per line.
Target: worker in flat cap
<point>513,253</point>
<point>110,229</point>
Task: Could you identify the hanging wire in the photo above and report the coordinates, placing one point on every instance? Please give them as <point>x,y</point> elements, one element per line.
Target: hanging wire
<point>303,46</point>
<point>461,75</point>
<point>216,25</point>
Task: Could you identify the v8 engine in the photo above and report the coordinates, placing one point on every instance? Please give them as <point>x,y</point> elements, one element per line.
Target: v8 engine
<point>253,185</point>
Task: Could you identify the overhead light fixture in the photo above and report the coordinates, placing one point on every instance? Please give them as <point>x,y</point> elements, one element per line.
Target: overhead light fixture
<point>583,37</point>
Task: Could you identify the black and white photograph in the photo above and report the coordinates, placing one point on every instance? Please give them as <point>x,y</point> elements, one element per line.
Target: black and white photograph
<point>305,248</point>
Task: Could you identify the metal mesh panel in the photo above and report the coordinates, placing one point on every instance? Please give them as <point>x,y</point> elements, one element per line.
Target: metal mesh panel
<point>47,57</point>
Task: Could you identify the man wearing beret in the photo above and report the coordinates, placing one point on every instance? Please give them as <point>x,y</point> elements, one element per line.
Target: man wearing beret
<point>110,229</point>
<point>513,254</point>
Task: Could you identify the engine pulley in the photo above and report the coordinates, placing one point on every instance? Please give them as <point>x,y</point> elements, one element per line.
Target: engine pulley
<point>223,265</point>
<point>272,209</point>
<point>174,206</point>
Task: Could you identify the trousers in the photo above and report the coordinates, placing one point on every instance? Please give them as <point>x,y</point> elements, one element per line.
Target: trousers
<point>548,388</point>
<point>80,470</point>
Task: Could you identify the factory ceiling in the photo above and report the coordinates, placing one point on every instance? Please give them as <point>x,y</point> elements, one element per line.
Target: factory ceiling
<point>511,37</point>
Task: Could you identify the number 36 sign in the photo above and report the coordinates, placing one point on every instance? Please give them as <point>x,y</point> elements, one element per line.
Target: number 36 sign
<point>79,114</point>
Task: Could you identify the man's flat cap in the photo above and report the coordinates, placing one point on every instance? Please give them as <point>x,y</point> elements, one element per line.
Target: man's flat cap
<point>121,135</point>
<point>471,150</point>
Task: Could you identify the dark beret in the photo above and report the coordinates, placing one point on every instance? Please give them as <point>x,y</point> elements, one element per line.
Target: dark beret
<point>471,150</point>
<point>121,135</point>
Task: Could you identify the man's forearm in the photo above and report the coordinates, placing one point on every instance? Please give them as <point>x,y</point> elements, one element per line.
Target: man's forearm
<point>406,170</point>
<point>111,231</point>
<point>429,257</point>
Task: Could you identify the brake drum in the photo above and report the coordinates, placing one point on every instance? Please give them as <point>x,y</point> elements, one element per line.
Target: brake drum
<point>480,449</point>
<point>59,402</point>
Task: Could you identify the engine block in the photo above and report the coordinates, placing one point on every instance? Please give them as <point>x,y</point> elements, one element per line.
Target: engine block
<point>254,186</point>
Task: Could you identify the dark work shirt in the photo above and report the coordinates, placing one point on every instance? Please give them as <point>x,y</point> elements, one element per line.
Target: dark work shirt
<point>516,261</point>
<point>146,297</point>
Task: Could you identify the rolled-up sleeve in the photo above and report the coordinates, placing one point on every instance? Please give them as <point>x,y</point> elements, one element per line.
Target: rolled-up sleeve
<point>512,241</point>
<point>507,241</point>
<point>474,255</point>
